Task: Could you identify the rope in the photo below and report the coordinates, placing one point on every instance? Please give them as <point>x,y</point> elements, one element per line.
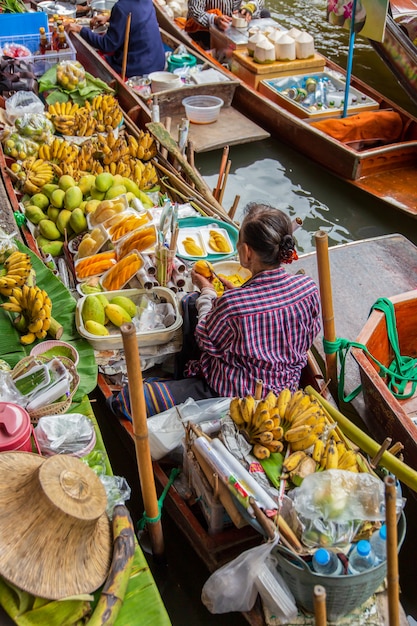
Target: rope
<point>152,520</point>
<point>401,371</point>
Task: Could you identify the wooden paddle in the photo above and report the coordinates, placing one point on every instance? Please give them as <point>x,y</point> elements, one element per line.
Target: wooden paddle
<point>326,297</point>
<point>126,46</point>
<point>319,598</point>
<point>392,552</point>
<point>140,436</point>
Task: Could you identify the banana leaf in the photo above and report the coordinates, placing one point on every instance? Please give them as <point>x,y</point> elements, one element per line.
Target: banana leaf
<point>63,310</point>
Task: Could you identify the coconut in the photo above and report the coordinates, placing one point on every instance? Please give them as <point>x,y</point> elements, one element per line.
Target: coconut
<point>285,48</point>
<point>253,41</point>
<point>177,8</point>
<point>264,52</point>
<point>275,35</point>
<point>294,32</point>
<point>304,46</point>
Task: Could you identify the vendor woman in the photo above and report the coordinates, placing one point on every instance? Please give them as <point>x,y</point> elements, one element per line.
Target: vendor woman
<point>259,331</point>
<point>145,51</point>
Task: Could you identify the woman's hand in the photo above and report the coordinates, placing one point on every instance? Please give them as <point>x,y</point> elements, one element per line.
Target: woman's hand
<point>72,27</point>
<point>99,20</point>
<point>222,21</point>
<point>227,284</point>
<point>200,281</point>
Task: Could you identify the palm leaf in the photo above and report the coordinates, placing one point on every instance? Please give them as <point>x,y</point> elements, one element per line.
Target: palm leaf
<point>63,310</point>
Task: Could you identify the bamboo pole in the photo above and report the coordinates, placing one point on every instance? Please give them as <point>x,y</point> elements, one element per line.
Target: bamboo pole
<point>126,46</point>
<point>392,552</point>
<point>225,177</point>
<point>319,598</point>
<point>232,211</point>
<point>140,435</point>
<point>223,163</point>
<point>403,472</point>
<point>168,120</point>
<point>323,266</point>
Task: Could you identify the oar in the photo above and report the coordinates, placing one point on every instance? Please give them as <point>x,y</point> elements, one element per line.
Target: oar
<point>126,45</point>
<point>319,599</point>
<point>392,552</point>
<point>140,435</point>
<point>323,266</point>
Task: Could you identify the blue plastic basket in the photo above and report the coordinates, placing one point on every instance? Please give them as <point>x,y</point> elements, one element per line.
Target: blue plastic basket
<point>23,23</point>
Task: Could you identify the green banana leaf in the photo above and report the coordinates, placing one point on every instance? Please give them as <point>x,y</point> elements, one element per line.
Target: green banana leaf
<point>63,310</point>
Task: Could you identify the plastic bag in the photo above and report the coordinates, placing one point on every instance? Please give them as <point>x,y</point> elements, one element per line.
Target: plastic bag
<point>275,594</point>
<point>64,434</point>
<point>70,75</point>
<point>341,496</point>
<point>7,244</point>
<point>36,126</point>
<point>21,103</point>
<point>117,491</point>
<point>324,533</point>
<point>18,147</point>
<point>233,586</point>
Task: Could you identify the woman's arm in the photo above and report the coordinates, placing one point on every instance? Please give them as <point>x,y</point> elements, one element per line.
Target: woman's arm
<point>113,39</point>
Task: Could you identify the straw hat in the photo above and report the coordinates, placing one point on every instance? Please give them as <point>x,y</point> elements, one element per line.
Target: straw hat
<point>55,536</point>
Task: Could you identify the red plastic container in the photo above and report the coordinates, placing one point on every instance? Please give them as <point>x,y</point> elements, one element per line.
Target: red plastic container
<point>15,428</point>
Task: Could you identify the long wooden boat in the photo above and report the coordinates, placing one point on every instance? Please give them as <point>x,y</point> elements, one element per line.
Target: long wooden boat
<point>386,415</point>
<point>384,169</point>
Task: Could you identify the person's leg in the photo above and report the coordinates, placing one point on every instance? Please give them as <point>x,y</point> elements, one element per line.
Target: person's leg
<point>202,37</point>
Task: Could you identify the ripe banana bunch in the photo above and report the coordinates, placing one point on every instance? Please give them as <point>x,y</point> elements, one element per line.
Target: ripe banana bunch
<point>218,241</point>
<point>118,151</point>
<point>149,177</point>
<point>34,174</point>
<point>34,307</point>
<point>62,108</point>
<point>107,112</point>
<point>143,148</point>
<point>259,422</point>
<point>17,267</point>
<point>297,466</point>
<point>53,151</point>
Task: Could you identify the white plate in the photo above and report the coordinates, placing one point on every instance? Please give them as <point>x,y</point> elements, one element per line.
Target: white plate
<point>195,233</point>
<point>205,234</point>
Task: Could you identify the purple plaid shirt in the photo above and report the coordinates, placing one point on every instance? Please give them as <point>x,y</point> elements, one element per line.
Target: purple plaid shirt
<point>261,330</point>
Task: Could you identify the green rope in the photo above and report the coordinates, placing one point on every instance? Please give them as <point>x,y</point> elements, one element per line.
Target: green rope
<point>402,370</point>
<point>152,520</point>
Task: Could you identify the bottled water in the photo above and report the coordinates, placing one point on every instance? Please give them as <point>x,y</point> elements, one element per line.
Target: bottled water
<point>378,542</point>
<point>361,558</point>
<point>326,562</point>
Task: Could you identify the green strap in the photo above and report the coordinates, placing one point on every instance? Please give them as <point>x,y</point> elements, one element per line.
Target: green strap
<point>402,370</point>
<point>152,520</point>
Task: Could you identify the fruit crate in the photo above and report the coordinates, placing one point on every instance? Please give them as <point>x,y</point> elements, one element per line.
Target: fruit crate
<point>41,62</point>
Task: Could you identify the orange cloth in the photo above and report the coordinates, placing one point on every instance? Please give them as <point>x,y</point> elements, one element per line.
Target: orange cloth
<point>191,26</point>
<point>382,125</point>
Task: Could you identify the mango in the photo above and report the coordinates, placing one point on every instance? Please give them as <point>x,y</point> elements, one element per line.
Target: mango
<point>91,206</point>
<point>57,198</point>
<point>48,229</point>
<point>85,183</point>
<point>131,186</point>
<point>48,189</point>
<point>117,179</point>
<point>104,181</point>
<point>115,191</point>
<point>96,194</point>
<point>40,200</point>
<point>63,221</point>
<point>117,315</point>
<point>34,214</point>
<point>53,213</point>
<point>78,221</point>
<point>103,300</point>
<point>94,328</point>
<point>66,181</point>
<point>93,310</point>
<point>73,198</point>
<point>126,303</point>
<point>54,248</point>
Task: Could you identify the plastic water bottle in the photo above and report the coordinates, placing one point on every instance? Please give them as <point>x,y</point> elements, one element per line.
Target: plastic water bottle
<point>326,562</point>
<point>361,558</point>
<point>378,542</point>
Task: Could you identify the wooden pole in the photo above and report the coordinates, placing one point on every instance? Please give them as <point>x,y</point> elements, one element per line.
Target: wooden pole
<point>140,435</point>
<point>325,285</point>
<point>392,552</point>
<point>126,46</point>
<point>222,169</point>
<point>168,120</point>
<point>320,615</point>
<point>225,177</point>
<point>232,210</point>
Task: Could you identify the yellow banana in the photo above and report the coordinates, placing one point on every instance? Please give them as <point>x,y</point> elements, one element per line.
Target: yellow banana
<point>264,437</point>
<point>235,412</point>
<point>282,402</point>
<point>260,451</point>
<point>247,406</point>
<point>41,334</point>
<point>296,397</point>
<point>260,414</point>
<point>347,459</point>
<point>293,460</point>
<point>274,446</point>
<point>35,326</point>
<point>318,450</point>
<point>332,455</point>
<point>277,433</point>
<point>11,307</point>
<point>27,339</point>
<point>298,432</point>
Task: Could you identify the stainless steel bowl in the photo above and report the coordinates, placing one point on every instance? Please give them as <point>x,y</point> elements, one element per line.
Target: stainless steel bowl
<point>100,7</point>
<point>59,8</point>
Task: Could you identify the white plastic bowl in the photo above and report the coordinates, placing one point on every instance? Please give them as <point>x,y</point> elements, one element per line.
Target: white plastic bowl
<point>162,81</point>
<point>202,109</point>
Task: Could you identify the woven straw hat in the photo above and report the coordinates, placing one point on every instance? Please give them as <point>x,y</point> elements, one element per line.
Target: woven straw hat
<point>55,536</point>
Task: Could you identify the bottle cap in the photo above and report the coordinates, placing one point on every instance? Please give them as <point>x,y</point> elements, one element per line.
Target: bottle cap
<point>383,532</point>
<point>322,556</point>
<point>363,547</point>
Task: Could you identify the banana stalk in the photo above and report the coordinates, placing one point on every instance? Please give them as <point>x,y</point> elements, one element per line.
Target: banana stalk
<point>401,470</point>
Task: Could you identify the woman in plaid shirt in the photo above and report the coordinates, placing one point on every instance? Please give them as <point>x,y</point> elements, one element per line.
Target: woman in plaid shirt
<point>259,331</point>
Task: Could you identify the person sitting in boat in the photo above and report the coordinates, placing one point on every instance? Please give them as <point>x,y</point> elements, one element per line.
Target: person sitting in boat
<point>205,13</point>
<point>259,331</point>
<point>145,52</point>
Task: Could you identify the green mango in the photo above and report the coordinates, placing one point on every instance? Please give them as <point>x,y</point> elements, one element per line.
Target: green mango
<point>78,221</point>
<point>34,214</point>
<point>48,229</point>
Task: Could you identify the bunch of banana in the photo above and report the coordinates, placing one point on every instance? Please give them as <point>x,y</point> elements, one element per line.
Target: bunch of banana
<point>143,148</point>
<point>85,159</point>
<point>17,269</point>
<point>118,149</point>
<point>297,466</point>
<point>62,108</point>
<point>85,124</point>
<point>218,241</point>
<point>34,174</point>
<point>149,177</point>
<point>107,112</point>
<point>259,422</point>
<point>34,307</point>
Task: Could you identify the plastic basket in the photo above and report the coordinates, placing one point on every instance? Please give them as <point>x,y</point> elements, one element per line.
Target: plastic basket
<point>41,62</point>
<point>343,593</point>
<point>23,23</point>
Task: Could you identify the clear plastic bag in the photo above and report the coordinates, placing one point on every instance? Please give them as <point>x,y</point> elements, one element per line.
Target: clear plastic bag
<point>64,434</point>
<point>117,491</point>
<point>70,75</point>
<point>233,586</point>
<point>275,594</point>
<point>7,244</point>
<point>35,126</point>
<point>23,102</point>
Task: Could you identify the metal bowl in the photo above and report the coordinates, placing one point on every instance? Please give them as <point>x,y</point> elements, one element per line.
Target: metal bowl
<point>58,8</point>
<point>102,7</point>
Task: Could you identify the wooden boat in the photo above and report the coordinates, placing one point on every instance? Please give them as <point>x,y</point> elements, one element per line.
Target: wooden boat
<point>383,168</point>
<point>386,415</point>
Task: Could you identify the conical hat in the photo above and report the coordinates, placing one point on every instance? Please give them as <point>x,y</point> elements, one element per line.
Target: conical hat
<point>55,536</point>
